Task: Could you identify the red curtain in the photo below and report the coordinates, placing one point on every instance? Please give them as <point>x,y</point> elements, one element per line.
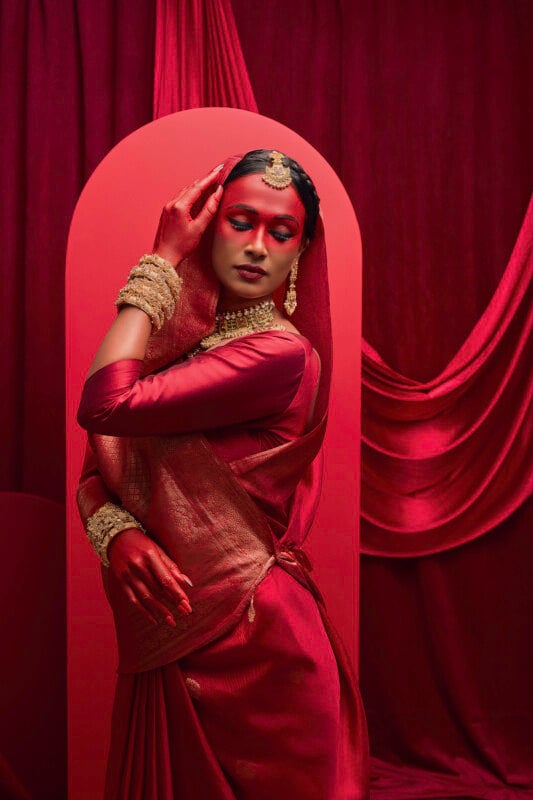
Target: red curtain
<point>446,460</point>
<point>423,109</point>
<point>198,58</point>
<point>75,78</point>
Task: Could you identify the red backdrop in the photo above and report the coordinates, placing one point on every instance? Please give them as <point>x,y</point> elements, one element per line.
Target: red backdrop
<point>424,111</point>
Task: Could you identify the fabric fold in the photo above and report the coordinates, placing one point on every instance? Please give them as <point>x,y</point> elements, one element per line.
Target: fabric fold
<point>446,460</point>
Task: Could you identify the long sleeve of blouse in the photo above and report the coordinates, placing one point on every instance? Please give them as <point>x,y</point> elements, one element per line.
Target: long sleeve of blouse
<point>247,379</point>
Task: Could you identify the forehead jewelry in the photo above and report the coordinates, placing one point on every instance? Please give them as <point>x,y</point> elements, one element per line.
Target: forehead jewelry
<point>277,175</point>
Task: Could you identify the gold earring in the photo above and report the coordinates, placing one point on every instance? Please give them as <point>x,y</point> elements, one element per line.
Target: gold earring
<point>290,297</point>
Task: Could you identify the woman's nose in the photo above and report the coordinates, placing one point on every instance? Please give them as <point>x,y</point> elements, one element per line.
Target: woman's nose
<point>256,245</point>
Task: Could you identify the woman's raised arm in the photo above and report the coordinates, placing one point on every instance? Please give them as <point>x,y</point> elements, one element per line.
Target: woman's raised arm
<point>177,235</point>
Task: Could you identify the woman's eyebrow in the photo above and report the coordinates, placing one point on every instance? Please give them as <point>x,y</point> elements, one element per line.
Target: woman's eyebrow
<point>253,210</point>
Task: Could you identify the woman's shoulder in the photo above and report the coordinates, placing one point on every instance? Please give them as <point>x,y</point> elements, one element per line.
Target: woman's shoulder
<point>274,342</point>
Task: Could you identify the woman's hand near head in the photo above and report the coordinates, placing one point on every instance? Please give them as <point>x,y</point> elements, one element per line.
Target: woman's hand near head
<point>179,233</point>
<point>150,579</point>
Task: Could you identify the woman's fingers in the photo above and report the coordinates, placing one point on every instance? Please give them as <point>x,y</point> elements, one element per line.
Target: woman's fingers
<point>210,208</point>
<point>179,233</point>
<point>141,597</point>
<point>174,569</point>
<point>166,577</point>
<point>195,190</point>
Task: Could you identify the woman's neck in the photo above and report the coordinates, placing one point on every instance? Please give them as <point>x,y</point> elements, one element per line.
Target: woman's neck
<point>235,303</point>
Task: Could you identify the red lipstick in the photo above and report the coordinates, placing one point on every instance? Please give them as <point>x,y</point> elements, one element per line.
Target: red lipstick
<point>250,272</point>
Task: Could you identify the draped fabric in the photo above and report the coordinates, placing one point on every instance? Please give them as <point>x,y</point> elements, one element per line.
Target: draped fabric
<point>446,460</point>
<point>255,653</point>
<point>198,58</point>
<point>423,109</point>
<point>75,78</point>
<point>444,455</point>
<point>453,714</point>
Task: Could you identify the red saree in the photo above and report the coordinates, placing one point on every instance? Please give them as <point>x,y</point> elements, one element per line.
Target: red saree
<point>219,457</point>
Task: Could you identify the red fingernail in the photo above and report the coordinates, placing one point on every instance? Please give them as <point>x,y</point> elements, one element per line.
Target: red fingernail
<point>171,621</point>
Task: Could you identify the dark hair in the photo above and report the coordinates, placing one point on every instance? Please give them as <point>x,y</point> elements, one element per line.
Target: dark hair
<point>256,160</point>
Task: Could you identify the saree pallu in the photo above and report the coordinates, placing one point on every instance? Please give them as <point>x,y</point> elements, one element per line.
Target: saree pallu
<point>254,689</point>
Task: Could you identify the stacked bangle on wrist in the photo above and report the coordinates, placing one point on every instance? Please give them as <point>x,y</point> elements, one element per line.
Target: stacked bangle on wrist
<point>153,286</point>
<point>105,523</point>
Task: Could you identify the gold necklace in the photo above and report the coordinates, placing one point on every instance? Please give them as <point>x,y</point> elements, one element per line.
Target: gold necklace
<point>239,322</point>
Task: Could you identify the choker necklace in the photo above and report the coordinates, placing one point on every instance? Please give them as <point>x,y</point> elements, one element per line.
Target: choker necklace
<point>239,322</point>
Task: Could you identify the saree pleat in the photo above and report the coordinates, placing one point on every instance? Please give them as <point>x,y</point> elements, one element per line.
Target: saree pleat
<point>156,738</point>
<point>265,710</point>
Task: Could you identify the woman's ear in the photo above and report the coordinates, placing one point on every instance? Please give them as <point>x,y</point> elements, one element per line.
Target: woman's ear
<point>302,247</point>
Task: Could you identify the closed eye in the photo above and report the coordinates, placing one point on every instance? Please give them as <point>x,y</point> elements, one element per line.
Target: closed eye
<point>239,225</point>
<point>281,236</point>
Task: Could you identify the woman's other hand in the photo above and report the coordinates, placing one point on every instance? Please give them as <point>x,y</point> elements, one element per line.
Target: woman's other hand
<point>150,579</point>
<point>179,233</point>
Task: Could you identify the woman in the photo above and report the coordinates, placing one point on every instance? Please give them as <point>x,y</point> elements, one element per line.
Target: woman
<point>206,410</point>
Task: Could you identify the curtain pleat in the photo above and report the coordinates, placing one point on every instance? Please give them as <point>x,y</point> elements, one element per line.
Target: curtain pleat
<point>74,80</point>
<point>198,58</point>
<point>446,460</point>
<point>424,109</point>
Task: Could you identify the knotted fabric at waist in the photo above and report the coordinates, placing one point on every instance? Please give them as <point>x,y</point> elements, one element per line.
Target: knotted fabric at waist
<point>297,563</point>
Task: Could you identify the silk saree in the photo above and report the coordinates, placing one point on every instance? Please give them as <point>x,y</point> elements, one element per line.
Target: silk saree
<point>254,693</point>
<point>220,458</point>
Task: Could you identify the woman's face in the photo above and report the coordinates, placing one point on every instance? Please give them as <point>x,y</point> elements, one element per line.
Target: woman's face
<point>258,234</point>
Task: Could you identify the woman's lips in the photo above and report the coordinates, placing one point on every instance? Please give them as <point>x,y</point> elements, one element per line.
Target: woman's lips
<point>249,272</point>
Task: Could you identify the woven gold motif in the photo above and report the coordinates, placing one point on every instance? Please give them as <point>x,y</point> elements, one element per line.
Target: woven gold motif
<point>105,523</point>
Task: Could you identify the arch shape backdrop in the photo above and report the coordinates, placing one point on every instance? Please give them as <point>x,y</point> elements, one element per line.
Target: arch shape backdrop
<point>114,222</point>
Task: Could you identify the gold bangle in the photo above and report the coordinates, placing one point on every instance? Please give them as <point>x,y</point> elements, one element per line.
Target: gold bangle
<point>146,289</point>
<point>105,523</point>
<point>153,286</point>
<point>165,268</point>
<point>128,296</point>
<point>141,276</point>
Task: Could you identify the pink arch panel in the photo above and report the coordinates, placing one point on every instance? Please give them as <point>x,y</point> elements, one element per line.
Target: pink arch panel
<point>113,224</point>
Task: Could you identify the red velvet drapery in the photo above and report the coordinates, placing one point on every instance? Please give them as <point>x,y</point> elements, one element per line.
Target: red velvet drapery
<point>423,110</point>
<point>446,460</point>
<point>198,58</point>
<point>75,78</point>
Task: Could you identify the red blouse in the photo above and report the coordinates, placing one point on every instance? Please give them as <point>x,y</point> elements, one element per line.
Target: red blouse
<point>247,395</point>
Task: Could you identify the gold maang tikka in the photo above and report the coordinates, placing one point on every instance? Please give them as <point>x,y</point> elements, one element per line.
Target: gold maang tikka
<point>277,175</point>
